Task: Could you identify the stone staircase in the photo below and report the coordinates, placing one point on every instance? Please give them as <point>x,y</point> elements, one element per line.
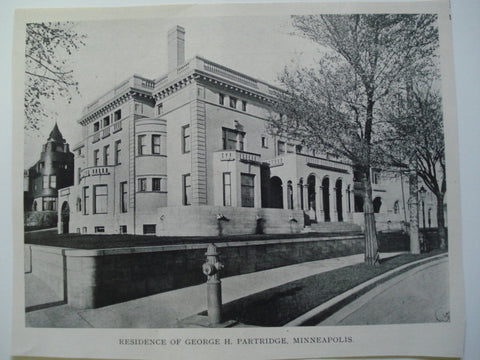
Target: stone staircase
<point>333,227</point>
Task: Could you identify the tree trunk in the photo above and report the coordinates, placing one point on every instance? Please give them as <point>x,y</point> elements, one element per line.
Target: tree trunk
<point>371,245</point>
<point>442,231</point>
<point>413,201</point>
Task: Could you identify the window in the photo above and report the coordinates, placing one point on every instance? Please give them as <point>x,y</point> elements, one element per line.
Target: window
<point>156,144</point>
<point>106,121</point>
<point>160,109</point>
<point>117,115</point>
<point>221,99</point>
<point>53,181</point>
<point>106,154</point>
<point>396,207</point>
<point>375,177</point>
<point>49,204</point>
<point>187,190</point>
<point>142,146</point>
<point>233,102</point>
<point>186,139</point>
<point>96,126</point>
<point>227,189</point>
<point>156,184</point>
<point>248,190</point>
<point>232,139</point>
<point>79,178</point>
<point>123,197</point>
<point>117,152</point>
<point>95,158</point>
<point>99,229</point>
<point>264,142</point>
<point>142,184</point>
<point>149,229</point>
<point>45,181</point>
<point>85,200</point>
<point>280,148</point>
<point>100,197</point>
<point>244,105</point>
<point>123,229</point>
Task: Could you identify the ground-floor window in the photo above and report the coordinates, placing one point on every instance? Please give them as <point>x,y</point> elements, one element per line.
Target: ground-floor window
<point>49,204</point>
<point>123,197</point>
<point>100,197</point>
<point>149,229</point>
<point>123,229</point>
<point>248,190</point>
<point>187,189</point>
<point>85,200</point>
<point>227,189</point>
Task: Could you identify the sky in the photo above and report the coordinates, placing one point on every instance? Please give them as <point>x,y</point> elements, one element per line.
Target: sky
<point>259,46</point>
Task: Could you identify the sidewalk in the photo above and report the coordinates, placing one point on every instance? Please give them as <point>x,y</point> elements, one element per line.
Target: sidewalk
<point>164,309</point>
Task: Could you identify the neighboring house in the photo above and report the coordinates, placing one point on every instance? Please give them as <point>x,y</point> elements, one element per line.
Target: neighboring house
<point>189,154</point>
<point>52,171</point>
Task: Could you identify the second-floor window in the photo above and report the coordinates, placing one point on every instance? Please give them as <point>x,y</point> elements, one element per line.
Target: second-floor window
<point>142,146</point>
<point>232,139</point>
<point>117,152</point>
<point>106,154</point>
<point>186,139</point>
<point>156,144</point>
<point>244,105</point>
<point>142,184</point>
<point>117,115</point>
<point>100,198</point>
<point>53,181</point>
<point>221,99</point>
<point>106,121</point>
<point>95,157</point>
<point>45,181</point>
<point>233,102</point>
<point>96,126</point>
<point>280,148</point>
<point>160,109</point>
<point>156,184</point>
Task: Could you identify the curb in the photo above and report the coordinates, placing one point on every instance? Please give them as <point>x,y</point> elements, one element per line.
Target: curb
<point>326,309</point>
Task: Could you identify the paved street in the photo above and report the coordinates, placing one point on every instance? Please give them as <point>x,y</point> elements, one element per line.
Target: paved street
<point>417,296</point>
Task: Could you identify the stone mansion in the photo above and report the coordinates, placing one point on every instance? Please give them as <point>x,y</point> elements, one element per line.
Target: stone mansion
<point>189,153</point>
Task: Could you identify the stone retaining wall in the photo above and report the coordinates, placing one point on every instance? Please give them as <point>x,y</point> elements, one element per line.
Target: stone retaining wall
<point>96,278</point>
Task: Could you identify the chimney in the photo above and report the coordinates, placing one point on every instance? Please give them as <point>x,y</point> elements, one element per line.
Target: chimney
<point>176,47</point>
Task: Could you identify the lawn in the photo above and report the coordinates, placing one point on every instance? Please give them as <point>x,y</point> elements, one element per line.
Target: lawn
<point>280,305</point>
<point>81,241</point>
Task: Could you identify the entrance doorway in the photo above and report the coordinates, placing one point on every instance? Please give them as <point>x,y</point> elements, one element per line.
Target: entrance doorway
<point>276,193</point>
<point>65,218</point>
<point>326,198</point>
<point>338,197</point>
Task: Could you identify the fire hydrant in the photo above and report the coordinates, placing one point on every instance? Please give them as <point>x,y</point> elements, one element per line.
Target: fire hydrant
<point>211,268</point>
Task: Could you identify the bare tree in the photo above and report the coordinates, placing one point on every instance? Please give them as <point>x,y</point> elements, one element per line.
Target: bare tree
<point>337,106</point>
<point>47,76</point>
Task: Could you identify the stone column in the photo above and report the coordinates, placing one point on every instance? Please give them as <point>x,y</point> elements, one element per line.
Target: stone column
<point>319,203</point>
<point>305,197</point>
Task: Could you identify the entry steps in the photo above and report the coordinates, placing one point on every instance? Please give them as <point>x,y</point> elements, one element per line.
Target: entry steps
<point>332,227</point>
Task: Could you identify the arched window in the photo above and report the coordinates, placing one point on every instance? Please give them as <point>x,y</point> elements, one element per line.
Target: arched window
<point>377,203</point>
<point>79,204</point>
<point>396,207</point>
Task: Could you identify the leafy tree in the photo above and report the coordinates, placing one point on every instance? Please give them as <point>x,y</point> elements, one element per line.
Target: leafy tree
<point>47,76</point>
<point>418,123</point>
<point>336,106</point>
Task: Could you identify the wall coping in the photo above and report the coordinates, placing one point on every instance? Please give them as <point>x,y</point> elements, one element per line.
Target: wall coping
<point>164,248</point>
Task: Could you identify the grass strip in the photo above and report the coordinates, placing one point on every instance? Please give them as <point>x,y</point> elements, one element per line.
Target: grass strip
<point>280,305</point>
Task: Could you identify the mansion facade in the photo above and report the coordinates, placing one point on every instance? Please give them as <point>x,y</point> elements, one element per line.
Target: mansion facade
<point>190,153</point>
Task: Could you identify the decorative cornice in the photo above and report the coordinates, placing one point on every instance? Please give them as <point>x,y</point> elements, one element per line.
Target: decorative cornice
<point>114,103</point>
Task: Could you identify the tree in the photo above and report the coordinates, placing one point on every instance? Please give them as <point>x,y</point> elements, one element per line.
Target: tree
<point>47,48</point>
<point>418,123</point>
<point>336,107</point>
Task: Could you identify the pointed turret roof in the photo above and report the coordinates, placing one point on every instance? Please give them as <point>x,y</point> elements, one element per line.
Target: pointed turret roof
<point>56,135</point>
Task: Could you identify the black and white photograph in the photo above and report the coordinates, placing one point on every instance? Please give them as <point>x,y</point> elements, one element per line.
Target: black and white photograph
<point>238,169</point>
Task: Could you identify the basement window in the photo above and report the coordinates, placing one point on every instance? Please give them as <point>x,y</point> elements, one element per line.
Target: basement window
<point>99,229</point>
<point>149,229</point>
